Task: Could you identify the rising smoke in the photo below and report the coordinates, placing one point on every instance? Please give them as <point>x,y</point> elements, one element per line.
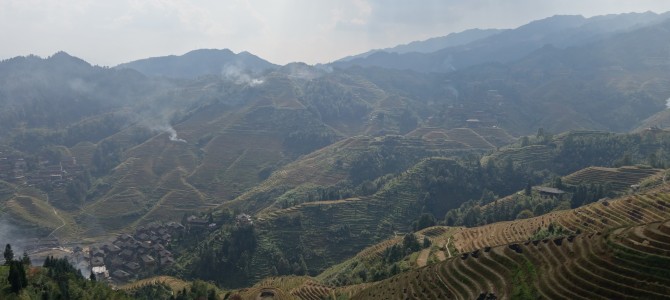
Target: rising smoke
<point>237,75</point>
<point>158,112</point>
<point>170,131</point>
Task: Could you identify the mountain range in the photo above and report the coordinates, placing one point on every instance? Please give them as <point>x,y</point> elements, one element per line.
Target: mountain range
<point>321,170</point>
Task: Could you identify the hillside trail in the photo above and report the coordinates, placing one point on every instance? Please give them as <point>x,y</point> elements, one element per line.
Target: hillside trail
<point>57,216</point>
<point>447,246</point>
<point>423,257</point>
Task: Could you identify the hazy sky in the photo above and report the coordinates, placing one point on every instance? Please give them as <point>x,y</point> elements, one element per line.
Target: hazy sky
<point>109,32</point>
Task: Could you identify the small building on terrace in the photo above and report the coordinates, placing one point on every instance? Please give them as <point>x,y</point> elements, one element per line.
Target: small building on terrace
<point>549,191</point>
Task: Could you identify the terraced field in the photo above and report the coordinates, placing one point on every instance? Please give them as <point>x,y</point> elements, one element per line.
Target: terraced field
<point>622,264</point>
<point>334,231</point>
<point>298,287</point>
<point>620,179</point>
<point>465,138</point>
<point>595,217</point>
<point>494,135</point>
<point>331,165</point>
<point>175,284</point>
<point>469,137</point>
<point>33,210</point>
<point>534,156</point>
<point>233,160</point>
<point>615,245</point>
<point>84,153</point>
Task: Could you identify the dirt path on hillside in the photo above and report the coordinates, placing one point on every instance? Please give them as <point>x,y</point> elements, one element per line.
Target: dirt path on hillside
<point>59,227</point>
<point>423,257</point>
<point>447,246</point>
<point>57,216</point>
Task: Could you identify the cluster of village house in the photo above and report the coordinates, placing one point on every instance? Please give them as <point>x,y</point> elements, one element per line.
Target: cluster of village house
<point>124,257</point>
<point>14,169</point>
<point>128,255</point>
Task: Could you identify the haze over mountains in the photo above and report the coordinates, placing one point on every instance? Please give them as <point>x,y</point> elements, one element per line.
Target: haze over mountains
<point>324,161</point>
<point>509,45</point>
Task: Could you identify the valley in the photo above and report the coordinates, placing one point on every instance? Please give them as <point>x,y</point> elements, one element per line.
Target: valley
<point>518,163</point>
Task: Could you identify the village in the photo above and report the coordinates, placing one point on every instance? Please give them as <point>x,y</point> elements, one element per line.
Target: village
<point>131,255</point>
<point>14,169</point>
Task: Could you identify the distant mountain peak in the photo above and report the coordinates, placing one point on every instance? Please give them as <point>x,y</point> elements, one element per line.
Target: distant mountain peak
<point>64,57</point>
<point>199,62</point>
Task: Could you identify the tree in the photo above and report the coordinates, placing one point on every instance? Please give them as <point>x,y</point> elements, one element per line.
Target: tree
<point>9,254</point>
<point>410,243</point>
<point>17,276</point>
<point>25,259</point>
<point>557,182</point>
<point>303,266</point>
<point>393,253</point>
<point>524,214</point>
<point>426,220</point>
<point>426,242</point>
<point>92,277</point>
<point>211,295</point>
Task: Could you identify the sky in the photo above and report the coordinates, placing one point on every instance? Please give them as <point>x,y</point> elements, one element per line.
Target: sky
<point>108,33</point>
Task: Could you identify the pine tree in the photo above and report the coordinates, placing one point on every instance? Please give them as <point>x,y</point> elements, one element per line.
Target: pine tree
<point>410,243</point>
<point>9,254</point>
<point>17,276</point>
<point>211,295</point>
<point>25,259</point>
<point>303,266</point>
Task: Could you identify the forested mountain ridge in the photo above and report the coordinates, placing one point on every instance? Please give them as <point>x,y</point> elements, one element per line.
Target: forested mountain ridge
<point>432,44</point>
<point>510,45</point>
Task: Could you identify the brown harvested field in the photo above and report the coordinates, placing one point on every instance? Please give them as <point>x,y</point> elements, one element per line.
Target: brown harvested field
<point>619,179</point>
<point>595,217</point>
<point>625,263</point>
<point>422,259</point>
<point>175,284</point>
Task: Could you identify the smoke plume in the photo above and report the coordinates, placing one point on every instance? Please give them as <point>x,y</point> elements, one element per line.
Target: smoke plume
<point>170,131</point>
<point>239,76</point>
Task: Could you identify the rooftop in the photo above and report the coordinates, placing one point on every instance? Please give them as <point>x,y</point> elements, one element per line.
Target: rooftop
<point>548,190</point>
